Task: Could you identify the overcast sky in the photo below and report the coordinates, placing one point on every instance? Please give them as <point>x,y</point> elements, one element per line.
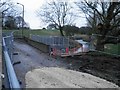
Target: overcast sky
<point>30,17</point>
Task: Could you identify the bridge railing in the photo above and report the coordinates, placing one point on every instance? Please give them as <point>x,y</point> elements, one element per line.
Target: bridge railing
<point>7,43</point>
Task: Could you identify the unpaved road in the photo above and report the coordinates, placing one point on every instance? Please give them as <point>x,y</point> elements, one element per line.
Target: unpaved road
<point>38,70</point>
<point>30,59</point>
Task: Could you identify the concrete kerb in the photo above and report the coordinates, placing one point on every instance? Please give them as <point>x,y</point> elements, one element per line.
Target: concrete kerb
<point>43,47</point>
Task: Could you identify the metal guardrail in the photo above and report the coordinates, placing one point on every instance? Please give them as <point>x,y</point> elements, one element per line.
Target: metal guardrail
<point>12,78</point>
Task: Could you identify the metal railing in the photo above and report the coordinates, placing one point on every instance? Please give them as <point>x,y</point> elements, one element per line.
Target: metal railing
<point>57,41</point>
<point>7,53</point>
<point>63,42</point>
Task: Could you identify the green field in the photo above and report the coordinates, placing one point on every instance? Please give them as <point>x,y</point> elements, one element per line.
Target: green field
<point>26,33</point>
<point>41,32</point>
<point>113,48</point>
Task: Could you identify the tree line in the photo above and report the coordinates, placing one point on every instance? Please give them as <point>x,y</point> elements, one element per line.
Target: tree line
<point>71,30</point>
<point>103,17</point>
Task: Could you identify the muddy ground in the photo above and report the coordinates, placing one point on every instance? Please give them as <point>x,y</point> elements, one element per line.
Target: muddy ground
<point>100,65</point>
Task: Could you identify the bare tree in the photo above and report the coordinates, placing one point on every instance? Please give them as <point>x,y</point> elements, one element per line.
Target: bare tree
<point>2,6</point>
<point>58,13</point>
<point>104,17</point>
<point>7,5</point>
<point>10,9</point>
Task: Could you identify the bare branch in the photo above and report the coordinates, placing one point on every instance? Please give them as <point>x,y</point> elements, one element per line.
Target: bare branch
<point>56,12</point>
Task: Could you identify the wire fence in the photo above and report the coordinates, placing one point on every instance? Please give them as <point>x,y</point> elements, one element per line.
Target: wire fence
<point>62,43</point>
<point>57,41</point>
<point>59,44</point>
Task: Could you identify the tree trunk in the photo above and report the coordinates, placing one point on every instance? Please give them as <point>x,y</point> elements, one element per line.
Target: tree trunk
<point>99,45</point>
<point>61,31</point>
<point>102,30</point>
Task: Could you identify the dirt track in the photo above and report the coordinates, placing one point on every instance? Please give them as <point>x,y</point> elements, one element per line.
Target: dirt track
<point>33,61</point>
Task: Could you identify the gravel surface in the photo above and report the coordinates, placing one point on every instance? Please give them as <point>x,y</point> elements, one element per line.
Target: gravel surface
<point>39,70</point>
<point>54,77</point>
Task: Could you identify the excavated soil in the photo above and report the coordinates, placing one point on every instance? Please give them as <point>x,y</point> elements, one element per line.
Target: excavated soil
<point>101,65</point>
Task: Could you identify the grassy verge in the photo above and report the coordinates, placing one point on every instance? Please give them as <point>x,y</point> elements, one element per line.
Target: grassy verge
<point>45,32</point>
<point>113,48</point>
<point>35,32</point>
